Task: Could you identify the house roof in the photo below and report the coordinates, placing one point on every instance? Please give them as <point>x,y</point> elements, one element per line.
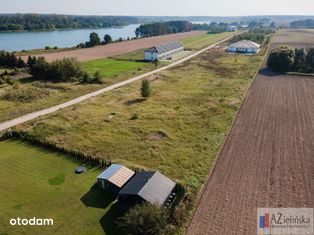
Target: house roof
<point>163,48</point>
<point>117,174</point>
<point>245,44</point>
<point>152,186</point>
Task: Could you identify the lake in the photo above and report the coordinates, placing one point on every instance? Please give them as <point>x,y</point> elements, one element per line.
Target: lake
<point>17,41</point>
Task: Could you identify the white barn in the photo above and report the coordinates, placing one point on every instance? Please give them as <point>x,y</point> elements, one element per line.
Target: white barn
<point>163,51</point>
<point>244,46</point>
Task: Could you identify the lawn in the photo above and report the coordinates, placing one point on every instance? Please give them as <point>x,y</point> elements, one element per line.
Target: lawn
<point>110,67</point>
<point>39,183</point>
<point>177,131</point>
<point>201,41</point>
<point>132,56</point>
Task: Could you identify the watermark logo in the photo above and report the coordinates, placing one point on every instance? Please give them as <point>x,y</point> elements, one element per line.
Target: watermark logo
<point>32,221</point>
<point>297,221</point>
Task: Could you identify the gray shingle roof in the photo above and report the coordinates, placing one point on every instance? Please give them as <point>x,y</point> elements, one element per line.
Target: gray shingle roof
<point>163,48</point>
<point>152,186</point>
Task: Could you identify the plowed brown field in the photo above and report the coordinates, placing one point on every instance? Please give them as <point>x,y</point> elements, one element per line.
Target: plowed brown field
<point>267,160</point>
<point>114,49</point>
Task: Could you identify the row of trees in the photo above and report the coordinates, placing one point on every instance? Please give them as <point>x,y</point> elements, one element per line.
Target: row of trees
<point>10,60</point>
<point>94,40</point>
<point>162,28</point>
<point>215,27</point>
<point>65,70</point>
<point>51,22</point>
<point>286,59</point>
<point>255,35</point>
<point>309,23</point>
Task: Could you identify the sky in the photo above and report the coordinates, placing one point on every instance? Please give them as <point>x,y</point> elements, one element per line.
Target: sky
<point>161,7</point>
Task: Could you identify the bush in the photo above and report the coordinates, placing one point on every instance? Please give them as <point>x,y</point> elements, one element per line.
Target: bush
<point>145,89</point>
<point>310,60</point>
<point>67,69</point>
<point>300,60</point>
<point>134,116</point>
<point>145,219</point>
<point>281,59</point>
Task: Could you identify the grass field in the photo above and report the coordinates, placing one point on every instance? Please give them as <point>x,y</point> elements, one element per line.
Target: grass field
<point>39,183</point>
<point>132,56</point>
<point>31,95</point>
<point>110,67</point>
<point>178,130</point>
<point>201,41</point>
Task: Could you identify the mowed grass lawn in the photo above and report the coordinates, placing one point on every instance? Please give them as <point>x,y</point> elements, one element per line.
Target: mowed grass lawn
<point>39,183</point>
<point>178,130</point>
<point>201,41</point>
<point>111,67</point>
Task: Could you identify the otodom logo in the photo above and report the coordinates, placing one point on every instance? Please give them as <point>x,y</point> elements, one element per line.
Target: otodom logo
<point>264,221</point>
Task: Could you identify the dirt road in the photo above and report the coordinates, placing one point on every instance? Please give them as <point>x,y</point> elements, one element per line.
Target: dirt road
<point>267,160</point>
<point>114,49</point>
<point>8,124</point>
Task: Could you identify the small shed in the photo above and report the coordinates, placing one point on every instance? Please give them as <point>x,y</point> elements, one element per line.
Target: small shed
<point>149,186</point>
<point>163,51</point>
<point>114,178</point>
<point>244,46</point>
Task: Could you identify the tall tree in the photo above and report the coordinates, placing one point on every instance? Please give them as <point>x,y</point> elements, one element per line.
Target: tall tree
<point>94,39</point>
<point>107,39</point>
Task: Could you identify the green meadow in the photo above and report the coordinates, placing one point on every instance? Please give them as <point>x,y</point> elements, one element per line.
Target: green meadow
<point>36,182</point>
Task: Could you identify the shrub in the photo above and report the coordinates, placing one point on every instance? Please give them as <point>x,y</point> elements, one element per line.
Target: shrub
<point>144,219</point>
<point>310,60</point>
<point>67,69</point>
<point>145,89</point>
<point>299,60</point>
<point>281,59</point>
<point>134,116</point>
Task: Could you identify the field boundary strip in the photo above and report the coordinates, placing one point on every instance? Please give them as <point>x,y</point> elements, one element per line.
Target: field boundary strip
<point>27,117</point>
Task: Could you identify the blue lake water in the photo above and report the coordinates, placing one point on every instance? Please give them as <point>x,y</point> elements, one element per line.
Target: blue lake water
<point>17,41</point>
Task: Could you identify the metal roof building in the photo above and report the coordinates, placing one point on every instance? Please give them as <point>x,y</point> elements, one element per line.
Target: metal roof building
<point>244,46</point>
<point>114,177</point>
<point>163,50</point>
<point>150,186</point>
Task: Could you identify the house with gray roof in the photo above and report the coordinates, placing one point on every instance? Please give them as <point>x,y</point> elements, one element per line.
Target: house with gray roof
<point>147,186</point>
<point>163,51</point>
<point>244,46</point>
<point>114,178</point>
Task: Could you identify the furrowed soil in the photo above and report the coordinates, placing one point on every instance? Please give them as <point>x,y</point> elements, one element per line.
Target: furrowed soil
<point>294,38</point>
<point>267,159</point>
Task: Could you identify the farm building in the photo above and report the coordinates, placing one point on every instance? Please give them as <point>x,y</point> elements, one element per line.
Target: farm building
<point>163,51</point>
<point>149,186</point>
<point>232,28</point>
<point>244,46</point>
<point>114,178</point>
